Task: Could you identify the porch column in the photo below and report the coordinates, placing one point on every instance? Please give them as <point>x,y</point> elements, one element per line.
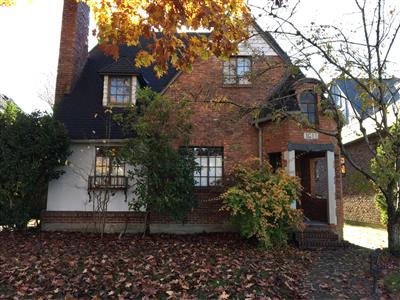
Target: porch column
<point>330,160</point>
<point>290,157</point>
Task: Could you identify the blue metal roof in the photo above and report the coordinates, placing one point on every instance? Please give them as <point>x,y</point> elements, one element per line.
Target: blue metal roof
<point>352,91</point>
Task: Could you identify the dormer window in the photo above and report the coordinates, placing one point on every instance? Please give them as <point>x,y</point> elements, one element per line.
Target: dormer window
<point>120,90</point>
<point>237,70</point>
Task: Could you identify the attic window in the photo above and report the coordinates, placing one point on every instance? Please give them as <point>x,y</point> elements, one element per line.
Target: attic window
<point>120,90</point>
<point>237,70</point>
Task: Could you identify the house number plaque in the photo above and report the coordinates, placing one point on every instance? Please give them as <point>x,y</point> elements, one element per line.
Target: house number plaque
<point>311,135</point>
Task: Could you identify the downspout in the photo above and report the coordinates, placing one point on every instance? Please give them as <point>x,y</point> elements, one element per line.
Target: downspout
<point>260,143</point>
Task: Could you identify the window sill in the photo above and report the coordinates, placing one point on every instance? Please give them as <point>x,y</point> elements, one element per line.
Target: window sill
<point>120,105</point>
<point>209,189</point>
<point>114,183</point>
<point>237,85</point>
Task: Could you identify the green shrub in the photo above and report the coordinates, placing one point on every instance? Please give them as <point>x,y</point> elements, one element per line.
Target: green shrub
<point>163,172</point>
<point>380,202</point>
<point>32,148</point>
<point>260,203</point>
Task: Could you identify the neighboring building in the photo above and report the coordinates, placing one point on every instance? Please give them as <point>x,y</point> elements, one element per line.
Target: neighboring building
<point>4,100</point>
<point>358,194</point>
<point>88,84</point>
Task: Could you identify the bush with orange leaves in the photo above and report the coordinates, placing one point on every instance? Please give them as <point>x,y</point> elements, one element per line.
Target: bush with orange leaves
<point>259,202</point>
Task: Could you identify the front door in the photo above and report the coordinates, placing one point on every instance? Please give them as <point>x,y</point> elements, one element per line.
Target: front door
<point>312,171</point>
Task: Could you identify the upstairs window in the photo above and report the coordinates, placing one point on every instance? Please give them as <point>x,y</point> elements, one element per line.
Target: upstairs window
<point>210,161</point>
<point>237,70</point>
<point>120,90</point>
<point>308,106</point>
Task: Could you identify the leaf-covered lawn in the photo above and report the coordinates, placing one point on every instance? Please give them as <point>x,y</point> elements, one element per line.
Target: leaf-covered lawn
<point>206,266</point>
<point>214,266</point>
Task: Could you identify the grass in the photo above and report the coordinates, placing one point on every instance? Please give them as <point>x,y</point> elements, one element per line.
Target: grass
<point>392,282</point>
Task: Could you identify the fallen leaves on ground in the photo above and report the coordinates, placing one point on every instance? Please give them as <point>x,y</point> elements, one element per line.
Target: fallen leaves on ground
<point>345,274</point>
<point>204,266</point>
<point>213,266</point>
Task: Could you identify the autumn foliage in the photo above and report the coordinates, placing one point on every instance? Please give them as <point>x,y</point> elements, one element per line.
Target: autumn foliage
<point>7,2</point>
<point>163,22</point>
<point>260,203</point>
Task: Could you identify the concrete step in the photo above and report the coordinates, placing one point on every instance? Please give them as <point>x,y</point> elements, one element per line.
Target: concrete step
<point>319,244</point>
<point>322,236</point>
<point>316,238</point>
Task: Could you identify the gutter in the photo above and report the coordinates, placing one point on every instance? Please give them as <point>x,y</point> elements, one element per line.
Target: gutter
<point>260,142</point>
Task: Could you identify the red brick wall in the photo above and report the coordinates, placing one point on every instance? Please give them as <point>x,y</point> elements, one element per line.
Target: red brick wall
<point>225,125</point>
<point>358,194</point>
<point>73,46</point>
<point>207,213</point>
<point>276,137</point>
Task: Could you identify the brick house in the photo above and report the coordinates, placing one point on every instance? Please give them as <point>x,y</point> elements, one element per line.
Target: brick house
<point>89,83</point>
<point>358,194</point>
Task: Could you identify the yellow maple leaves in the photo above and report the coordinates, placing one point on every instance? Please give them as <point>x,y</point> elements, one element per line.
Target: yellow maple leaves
<point>260,202</point>
<point>7,2</point>
<point>164,23</point>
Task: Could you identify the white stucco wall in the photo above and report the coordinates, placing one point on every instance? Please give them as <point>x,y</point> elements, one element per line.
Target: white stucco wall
<point>70,191</point>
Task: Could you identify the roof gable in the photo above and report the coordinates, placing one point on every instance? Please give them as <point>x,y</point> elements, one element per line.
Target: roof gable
<point>122,66</point>
<point>82,111</point>
<point>350,89</point>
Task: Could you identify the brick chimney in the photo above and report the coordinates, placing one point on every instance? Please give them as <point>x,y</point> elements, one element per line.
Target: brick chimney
<point>73,46</point>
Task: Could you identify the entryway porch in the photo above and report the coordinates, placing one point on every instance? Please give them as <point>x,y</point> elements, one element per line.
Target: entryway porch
<point>314,164</point>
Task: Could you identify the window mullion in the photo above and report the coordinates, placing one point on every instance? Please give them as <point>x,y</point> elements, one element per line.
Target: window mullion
<point>208,167</point>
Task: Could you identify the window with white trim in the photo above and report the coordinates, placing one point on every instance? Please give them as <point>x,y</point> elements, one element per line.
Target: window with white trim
<point>210,162</point>
<point>237,70</point>
<point>120,90</point>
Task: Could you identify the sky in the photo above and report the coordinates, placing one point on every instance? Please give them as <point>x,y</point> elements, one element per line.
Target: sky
<point>30,36</point>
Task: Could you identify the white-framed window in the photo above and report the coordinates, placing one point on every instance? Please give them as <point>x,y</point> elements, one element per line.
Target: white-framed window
<point>119,90</point>
<point>237,70</point>
<point>210,161</point>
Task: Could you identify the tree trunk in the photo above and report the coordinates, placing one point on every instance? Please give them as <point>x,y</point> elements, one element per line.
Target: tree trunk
<point>394,236</point>
<point>146,230</point>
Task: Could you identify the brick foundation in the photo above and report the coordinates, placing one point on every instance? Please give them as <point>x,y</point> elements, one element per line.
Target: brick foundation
<point>207,217</point>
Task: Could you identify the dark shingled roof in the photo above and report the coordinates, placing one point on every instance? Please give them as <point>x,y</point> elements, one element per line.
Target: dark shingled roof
<point>82,111</point>
<point>123,66</point>
<point>282,98</point>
